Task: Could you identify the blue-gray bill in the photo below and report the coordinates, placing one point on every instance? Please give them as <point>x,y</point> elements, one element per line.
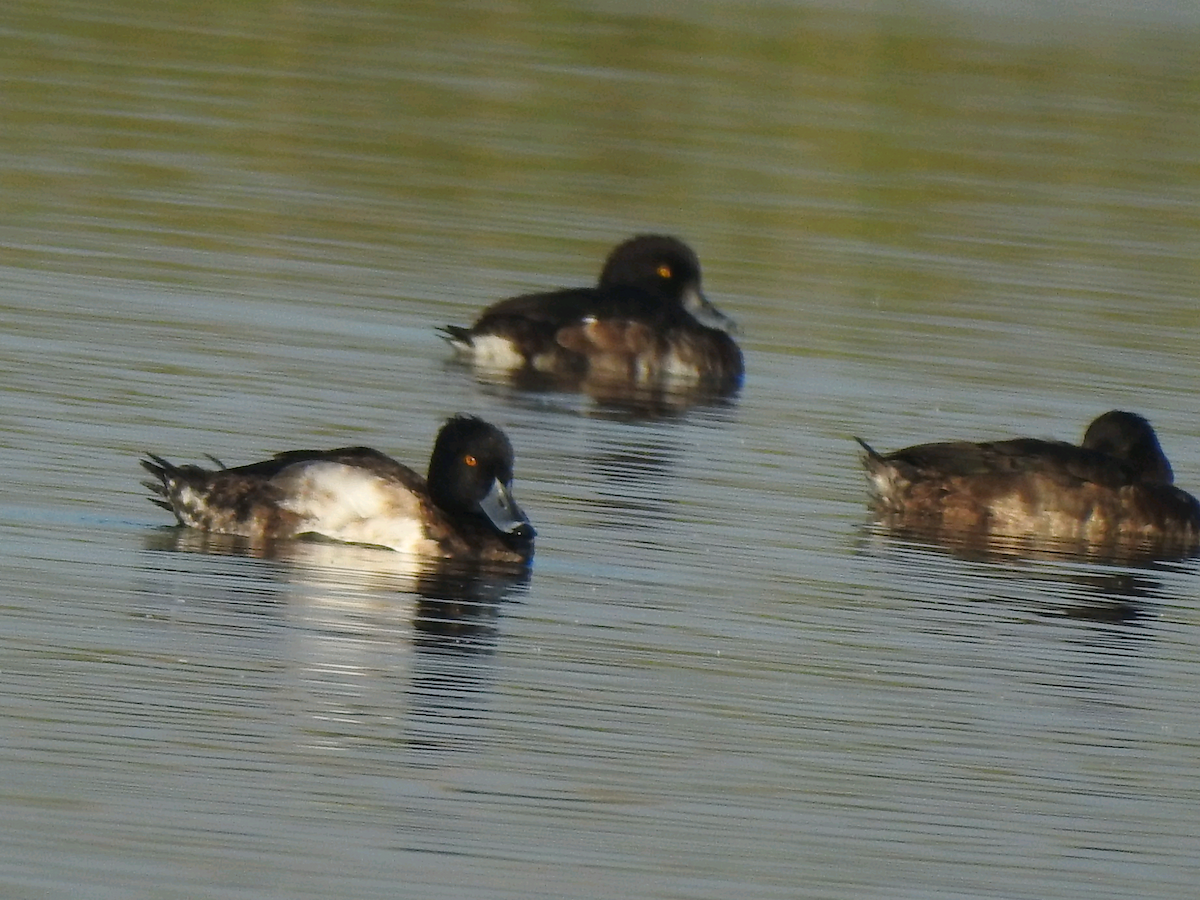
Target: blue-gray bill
<point>706,314</point>
<point>502,511</point>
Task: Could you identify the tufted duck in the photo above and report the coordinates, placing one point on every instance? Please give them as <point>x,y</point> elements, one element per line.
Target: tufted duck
<point>465,510</point>
<point>1115,488</point>
<point>646,323</point>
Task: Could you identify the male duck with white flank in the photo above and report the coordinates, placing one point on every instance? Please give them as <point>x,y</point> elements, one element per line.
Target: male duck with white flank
<point>464,510</point>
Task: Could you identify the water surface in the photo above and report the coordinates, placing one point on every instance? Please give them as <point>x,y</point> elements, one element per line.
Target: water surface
<point>233,230</point>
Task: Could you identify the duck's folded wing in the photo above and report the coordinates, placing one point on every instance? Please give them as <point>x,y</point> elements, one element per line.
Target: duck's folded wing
<point>555,308</point>
<point>274,473</point>
<point>559,308</point>
<point>1056,460</point>
<point>379,464</point>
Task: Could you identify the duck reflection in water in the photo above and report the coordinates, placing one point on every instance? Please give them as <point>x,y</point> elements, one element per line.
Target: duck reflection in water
<point>349,589</point>
<point>1111,497</point>
<point>372,645</point>
<point>645,333</point>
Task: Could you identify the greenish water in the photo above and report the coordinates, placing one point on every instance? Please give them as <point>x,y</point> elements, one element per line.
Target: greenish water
<point>233,228</point>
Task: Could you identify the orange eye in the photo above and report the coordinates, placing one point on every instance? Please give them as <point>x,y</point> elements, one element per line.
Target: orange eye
<point>470,460</point>
<point>664,271</point>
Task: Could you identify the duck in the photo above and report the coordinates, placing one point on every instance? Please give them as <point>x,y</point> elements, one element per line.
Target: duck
<point>463,510</point>
<point>1116,487</point>
<point>646,323</point>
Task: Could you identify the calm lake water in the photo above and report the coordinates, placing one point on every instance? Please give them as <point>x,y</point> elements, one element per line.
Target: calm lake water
<point>232,228</point>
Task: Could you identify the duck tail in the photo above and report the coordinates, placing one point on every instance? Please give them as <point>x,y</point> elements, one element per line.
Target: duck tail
<point>175,487</point>
<point>870,456</point>
<point>881,476</point>
<point>456,336</point>
<point>164,473</point>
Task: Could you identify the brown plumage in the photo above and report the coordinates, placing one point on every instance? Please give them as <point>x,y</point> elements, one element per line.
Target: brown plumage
<point>646,323</point>
<point>1113,489</point>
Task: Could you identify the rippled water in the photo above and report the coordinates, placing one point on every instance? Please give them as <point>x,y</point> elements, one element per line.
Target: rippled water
<point>233,229</point>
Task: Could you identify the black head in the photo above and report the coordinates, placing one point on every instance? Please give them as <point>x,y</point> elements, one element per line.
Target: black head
<point>470,477</point>
<point>1130,438</point>
<point>666,269</point>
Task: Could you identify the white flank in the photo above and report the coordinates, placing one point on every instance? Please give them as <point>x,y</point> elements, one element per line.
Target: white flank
<point>349,504</point>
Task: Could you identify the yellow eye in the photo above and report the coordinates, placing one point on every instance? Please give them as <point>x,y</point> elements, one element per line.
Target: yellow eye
<point>470,460</point>
<point>664,271</point>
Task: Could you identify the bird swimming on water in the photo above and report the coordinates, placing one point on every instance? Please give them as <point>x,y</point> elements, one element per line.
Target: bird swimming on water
<point>1116,487</point>
<point>464,509</point>
<point>645,323</point>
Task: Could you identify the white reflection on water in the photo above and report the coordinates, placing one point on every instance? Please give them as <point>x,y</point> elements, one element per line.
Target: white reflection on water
<point>378,646</point>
